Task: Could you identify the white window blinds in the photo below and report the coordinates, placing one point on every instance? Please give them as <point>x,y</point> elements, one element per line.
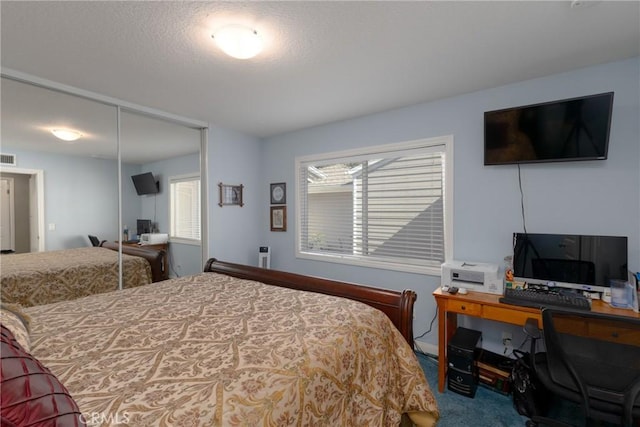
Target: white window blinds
<point>185,207</point>
<point>384,207</point>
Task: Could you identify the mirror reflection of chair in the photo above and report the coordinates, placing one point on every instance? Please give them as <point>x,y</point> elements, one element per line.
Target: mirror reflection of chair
<point>592,359</point>
<point>95,241</point>
<point>565,270</point>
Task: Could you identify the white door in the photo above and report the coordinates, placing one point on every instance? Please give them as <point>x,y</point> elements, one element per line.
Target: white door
<point>34,209</point>
<point>7,221</point>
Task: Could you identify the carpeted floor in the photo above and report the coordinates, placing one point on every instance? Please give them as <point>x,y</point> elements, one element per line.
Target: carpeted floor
<point>487,409</point>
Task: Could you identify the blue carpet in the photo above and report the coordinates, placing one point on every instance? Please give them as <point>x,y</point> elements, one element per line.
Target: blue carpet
<point>487,409</point>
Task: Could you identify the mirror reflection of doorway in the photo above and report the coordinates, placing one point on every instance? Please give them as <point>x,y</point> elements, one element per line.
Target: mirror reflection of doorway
<point>7,215</point>
<point>21,217</point>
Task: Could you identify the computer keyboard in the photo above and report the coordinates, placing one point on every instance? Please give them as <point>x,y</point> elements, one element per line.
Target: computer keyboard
<point>546,298</point>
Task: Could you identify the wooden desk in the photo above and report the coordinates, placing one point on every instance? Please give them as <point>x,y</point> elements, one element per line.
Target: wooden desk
<point>487,306</point>
<point>159,246</point>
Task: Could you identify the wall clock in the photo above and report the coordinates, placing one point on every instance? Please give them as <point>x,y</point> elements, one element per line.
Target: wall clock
<point>279,193</point>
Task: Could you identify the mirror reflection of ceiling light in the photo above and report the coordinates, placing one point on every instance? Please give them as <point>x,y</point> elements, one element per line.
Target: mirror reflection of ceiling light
<point>238,41</point>
<point>66,134</point>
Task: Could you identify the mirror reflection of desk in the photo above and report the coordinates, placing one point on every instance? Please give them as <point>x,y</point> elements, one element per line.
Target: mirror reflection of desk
<point>157,246</point>
<point>487,306</point>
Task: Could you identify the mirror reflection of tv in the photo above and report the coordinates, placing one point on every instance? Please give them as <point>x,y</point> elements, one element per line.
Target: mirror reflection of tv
<point>145,183</point>
<point>565,130</point>
<point>570,260</point>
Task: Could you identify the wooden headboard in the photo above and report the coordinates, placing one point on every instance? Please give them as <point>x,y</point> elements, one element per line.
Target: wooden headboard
<point>155,257</point>
<point>398,306</point>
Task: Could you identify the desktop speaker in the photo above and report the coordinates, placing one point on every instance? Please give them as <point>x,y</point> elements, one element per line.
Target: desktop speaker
<point>462,353</point>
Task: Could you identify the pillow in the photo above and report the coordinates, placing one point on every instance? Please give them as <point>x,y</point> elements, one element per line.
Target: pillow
<point>13,318</point>
<point>29,393</point>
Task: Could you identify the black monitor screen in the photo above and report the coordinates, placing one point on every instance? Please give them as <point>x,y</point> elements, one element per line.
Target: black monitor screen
<point>144,226</point>
<point>575,261</point>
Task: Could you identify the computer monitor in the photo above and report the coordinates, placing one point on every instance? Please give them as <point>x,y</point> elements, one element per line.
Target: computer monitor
<point>143,226</point>
<point>569,260</point>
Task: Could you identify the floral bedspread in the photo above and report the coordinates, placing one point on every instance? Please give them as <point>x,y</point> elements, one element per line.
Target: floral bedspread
<point>212,350</point>
<point>44,277</point>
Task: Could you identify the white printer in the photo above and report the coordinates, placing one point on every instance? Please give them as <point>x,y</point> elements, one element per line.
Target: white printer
<point>474,276</point>
<point>153,238</point>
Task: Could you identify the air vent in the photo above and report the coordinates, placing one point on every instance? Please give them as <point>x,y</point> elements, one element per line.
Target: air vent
<point>8,159</point>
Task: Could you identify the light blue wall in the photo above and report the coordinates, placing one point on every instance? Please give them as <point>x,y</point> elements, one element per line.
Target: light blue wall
<point>131,204</point>
<point>80,197</point>
<point>593,197</point>
<point>235,233</point>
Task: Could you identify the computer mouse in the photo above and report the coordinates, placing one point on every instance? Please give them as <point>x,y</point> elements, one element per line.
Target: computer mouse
<point>462,291</point>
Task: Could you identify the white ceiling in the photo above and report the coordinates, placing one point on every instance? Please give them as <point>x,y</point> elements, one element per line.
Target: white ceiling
<point>324,61</point>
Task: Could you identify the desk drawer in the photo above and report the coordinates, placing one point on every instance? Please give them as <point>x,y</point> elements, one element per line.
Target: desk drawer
<point>509,315</point>
<point>464,307</point>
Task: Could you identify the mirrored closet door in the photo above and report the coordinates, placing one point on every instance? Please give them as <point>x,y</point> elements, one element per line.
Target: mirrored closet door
<point>68,190</point>
<point>64,189</point>
<point>161,189</point>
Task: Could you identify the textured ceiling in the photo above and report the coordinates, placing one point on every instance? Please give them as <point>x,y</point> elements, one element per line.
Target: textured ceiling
<point>323,61</point>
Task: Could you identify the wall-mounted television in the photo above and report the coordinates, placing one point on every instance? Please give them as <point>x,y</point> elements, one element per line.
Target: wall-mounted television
<point>569,260</point>
<point>145,183</point>
<point>564,130</point>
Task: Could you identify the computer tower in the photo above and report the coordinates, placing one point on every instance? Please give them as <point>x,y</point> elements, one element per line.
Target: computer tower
<point>462,351</point>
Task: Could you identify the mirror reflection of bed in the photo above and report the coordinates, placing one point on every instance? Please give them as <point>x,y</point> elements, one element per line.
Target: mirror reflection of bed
<point>37,278</point>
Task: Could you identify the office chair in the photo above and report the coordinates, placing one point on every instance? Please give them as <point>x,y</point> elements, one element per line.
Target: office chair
<point>95,241</point>
<point>592,359</point>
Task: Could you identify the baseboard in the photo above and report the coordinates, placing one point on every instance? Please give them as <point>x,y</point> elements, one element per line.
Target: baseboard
<point>426,347</point>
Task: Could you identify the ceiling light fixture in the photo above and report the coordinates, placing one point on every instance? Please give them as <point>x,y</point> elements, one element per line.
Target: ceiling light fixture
<point>66,134</point>
<point>238,41</point>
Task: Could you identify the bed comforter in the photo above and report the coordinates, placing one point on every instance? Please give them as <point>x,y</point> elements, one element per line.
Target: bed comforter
<point>44,277</point>
<point>212,350</point>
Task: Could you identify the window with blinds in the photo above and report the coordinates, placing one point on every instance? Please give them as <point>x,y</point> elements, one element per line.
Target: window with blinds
<point>184,212</point>
<point>384,207</point>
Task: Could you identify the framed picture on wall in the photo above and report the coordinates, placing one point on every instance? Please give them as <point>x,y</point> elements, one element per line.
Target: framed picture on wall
<point>278,193</point>
<point>230,195</point>
<point>278,218</point>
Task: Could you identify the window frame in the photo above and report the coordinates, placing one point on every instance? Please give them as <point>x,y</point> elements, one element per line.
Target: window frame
<point>184,178</point>
<point>446,141</point>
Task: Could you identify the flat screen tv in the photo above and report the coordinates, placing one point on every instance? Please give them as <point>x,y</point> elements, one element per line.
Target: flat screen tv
<point>569,260</point>
<point>145,183</point>
<point>565,130</point>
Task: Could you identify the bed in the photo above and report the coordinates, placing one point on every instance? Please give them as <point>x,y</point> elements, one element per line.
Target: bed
<point>236,345</point>
<point>39,278</point>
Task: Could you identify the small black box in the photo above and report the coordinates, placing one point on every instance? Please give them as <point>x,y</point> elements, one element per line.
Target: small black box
<point>462,352</point>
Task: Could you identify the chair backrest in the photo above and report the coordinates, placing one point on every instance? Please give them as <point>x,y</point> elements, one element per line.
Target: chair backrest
<point>94,240</point>
<point>595,354</point>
